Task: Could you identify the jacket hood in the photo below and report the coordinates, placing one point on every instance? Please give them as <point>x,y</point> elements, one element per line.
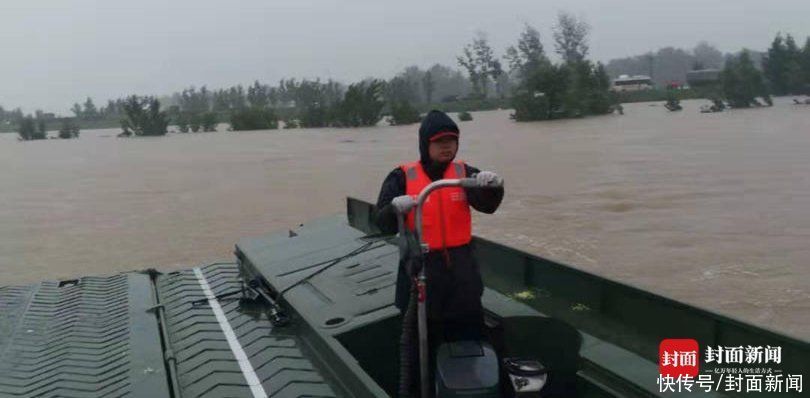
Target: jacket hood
<point>435,122</point>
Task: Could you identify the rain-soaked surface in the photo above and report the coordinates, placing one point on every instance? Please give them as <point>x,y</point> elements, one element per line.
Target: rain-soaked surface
<point>710,209</point>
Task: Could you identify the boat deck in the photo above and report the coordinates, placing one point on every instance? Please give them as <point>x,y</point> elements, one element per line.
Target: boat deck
<point>188,334</point>
<point>101,337</point>
<point>83,338</point>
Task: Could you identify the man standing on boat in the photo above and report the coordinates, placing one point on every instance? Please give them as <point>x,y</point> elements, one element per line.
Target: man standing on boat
<point>454,285</point>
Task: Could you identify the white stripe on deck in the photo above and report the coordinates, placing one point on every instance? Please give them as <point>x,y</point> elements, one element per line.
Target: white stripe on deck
<point>244,363</point>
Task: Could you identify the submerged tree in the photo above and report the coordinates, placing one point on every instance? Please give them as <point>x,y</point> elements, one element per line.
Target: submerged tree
<point>208,121</point>
<point>77,110</point>
<point>528,54</point>
<point>143,117</point>
<point>90,111</point>
<point>783,67</point>
<point>362,104</point>
<point>481,65</point>
<point>573,88</point>
<point>540,94</point>
<point>804,64</point>
<point>599,99</point>
<point>742,83</point>
<point>403,113</point>
<point>194,109</point>
<point>314,101</point>
<point>69,129</point>
<point>571,38</point>
<point>254,118</point>
<point>195,101</point>
<point>29,129</point>
<point>257,95</point>
<point>182,122</point>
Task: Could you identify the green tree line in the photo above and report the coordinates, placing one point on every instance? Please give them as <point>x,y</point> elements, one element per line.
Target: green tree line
<point>524,77</point>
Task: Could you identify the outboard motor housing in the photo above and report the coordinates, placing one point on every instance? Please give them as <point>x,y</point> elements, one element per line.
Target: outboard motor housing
<point>467,368</point>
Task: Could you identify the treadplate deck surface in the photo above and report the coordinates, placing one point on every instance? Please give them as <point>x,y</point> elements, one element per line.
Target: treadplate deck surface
<point>249,358</point>
<point>101,337</point>
<point>92,337</point>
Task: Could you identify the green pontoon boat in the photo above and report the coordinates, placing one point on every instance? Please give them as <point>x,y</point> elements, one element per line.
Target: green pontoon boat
<point>309,313</point>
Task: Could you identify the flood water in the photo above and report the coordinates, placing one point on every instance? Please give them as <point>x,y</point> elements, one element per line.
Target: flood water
<point>709,209</point>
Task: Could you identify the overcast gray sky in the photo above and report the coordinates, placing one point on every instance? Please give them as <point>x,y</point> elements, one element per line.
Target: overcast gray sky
<point>56,52</point>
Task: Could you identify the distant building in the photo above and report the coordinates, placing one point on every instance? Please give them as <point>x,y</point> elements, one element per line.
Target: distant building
<point>632,83</point>
<point>703,77</point>
<point>44,115</point>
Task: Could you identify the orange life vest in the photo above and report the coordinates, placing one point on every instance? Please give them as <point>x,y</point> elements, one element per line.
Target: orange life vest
<point>446,219</point>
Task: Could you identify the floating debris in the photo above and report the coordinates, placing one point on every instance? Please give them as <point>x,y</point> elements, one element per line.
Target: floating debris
<point>525,295</point>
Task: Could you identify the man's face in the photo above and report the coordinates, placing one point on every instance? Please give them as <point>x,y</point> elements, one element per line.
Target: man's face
<point>444,149</point>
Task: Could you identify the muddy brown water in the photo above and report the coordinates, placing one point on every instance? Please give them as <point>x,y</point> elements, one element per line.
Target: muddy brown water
<point>709,209</point>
